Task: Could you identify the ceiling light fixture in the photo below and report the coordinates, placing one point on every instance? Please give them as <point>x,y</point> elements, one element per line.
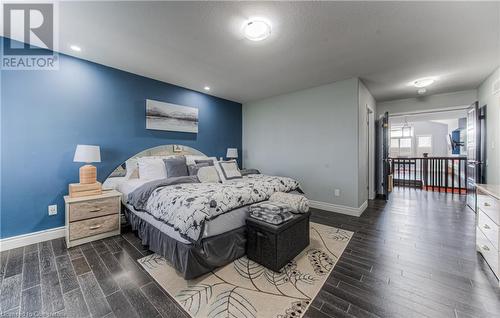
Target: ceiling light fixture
<point>75,48</point>
<point>257,29</point>
<point>424,82</point>
<point>207,88</point>
<point>422,91</point>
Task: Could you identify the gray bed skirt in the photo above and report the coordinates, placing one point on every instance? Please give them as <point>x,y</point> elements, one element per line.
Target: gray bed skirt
<point>191,260</point>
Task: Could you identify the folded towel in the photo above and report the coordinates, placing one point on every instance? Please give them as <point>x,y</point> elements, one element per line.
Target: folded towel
<point>297,202</point>
<point>273,218</point>
<point>270,207</point>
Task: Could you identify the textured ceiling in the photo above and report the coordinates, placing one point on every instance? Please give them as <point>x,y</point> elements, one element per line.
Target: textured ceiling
<point>386,44</point>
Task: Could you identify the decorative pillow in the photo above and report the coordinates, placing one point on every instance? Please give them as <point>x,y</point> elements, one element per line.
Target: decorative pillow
<point>193,169</point>
<point>208,174</point>
<point>132,168</point>
<point>190,159</point>
<point>120,171</point>
<point>151,168</point>
<point>210,162</point>
<point>228,170</point>
<point>134,174</point>
<point>176,167</point>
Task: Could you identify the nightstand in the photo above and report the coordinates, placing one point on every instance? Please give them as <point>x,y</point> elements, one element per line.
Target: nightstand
<point>92,218</point>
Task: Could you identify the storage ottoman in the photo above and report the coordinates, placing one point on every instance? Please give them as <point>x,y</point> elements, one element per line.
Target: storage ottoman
<point>273,246</point>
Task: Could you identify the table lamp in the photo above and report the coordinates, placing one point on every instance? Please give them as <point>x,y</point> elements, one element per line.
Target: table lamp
<point>87,154</point>
<point>232,153</point>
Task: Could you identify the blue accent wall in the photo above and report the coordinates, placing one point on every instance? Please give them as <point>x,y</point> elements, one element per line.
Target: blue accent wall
<point>45,114</point>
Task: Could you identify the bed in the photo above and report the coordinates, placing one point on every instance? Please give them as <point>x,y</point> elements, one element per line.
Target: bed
<point>196,226</point>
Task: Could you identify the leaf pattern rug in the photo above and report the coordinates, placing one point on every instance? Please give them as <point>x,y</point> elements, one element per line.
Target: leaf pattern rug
<point>246,289</point>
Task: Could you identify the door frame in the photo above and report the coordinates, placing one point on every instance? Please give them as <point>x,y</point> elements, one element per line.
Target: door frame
<point>386,165</point>
<point>371,145</point>
<point>478,164</point>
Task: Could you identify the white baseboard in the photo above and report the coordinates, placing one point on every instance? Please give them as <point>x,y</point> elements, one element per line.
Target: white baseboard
<point>339,208</point>
<point>31,238</point>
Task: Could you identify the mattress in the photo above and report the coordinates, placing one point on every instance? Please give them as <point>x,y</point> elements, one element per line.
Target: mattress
<point>223,223</point>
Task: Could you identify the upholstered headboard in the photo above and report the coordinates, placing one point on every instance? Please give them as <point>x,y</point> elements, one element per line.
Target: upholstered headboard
<point>164,150</point>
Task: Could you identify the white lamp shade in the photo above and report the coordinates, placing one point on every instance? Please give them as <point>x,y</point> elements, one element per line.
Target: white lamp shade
<point>232,153</point>
<point>87,154</point>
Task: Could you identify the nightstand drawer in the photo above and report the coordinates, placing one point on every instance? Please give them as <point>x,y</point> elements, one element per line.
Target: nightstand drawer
<point>488,227</point>
<point>490,206</point>
<point>93,208</point>
<point>489,252</point>
<point>94,226</point>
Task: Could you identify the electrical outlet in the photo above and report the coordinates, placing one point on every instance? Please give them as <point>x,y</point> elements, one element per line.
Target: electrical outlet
<point>52,209</point>
<point>336,192</point>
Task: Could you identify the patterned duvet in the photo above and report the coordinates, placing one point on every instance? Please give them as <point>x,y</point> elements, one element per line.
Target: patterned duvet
<point>187,206</point>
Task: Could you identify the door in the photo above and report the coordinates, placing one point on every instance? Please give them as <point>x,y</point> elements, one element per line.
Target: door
<point>473,147</point>
<point>385,155</point>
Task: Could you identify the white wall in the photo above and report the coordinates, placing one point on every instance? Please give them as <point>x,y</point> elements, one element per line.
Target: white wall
<point>310,135</point>
<point>431,102</point>
<point>486,97</point>
<point>438,131</point>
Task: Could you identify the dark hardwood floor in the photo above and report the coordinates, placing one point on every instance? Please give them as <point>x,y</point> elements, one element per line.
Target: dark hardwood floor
<point>412,257</point>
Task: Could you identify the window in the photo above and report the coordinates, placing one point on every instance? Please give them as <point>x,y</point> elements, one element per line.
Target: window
<point>424,145</point>
<point>401,144</point>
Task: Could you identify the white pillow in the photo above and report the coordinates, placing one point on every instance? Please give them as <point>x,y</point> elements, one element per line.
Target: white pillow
<point>208,174</point>
<point>132,168</point>
<point>228,170</point>
<point>151,168</point>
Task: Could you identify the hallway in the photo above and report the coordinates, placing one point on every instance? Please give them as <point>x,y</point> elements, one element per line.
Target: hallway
<point>413,257</point>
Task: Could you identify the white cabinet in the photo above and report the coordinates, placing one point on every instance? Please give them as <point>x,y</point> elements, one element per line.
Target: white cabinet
<point>488,225</point>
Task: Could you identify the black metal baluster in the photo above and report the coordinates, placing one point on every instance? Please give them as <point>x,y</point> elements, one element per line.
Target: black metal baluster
<point>426,168</point>
<point>398,171</point>
<point>421,171</point>
<point>446,175</point>
<point>431,173</point>
<point>453,176</point>
<point>440,161</point>
<point>400,163</point>
<point>460,176</point>
<point>414,173</point>
<point>404,172</point>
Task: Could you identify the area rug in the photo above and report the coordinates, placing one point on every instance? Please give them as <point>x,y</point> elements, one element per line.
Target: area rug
<point>246,289</point>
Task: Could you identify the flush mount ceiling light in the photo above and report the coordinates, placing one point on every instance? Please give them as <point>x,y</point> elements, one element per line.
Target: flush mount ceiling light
<point>207,88</point>
<point>424,82</point>
<point>75,48</point>
<point>257,29</point>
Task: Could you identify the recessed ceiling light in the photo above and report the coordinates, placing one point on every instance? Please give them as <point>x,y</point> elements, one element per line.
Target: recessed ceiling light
<point>75,48</point>
<point>423,82</point>
<point>207,88</point>
<point>257,29</point>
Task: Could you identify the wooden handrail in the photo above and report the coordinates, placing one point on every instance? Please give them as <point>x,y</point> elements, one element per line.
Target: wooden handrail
<point>413,158</point>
